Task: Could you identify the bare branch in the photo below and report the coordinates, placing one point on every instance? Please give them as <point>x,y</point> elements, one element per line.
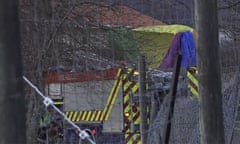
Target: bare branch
<point>230,6</point>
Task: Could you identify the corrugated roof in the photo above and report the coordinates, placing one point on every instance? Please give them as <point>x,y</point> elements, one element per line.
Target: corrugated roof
<point>118,15</point>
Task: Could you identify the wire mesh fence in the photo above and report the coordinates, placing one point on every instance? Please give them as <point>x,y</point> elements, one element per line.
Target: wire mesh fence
<point>69,36</point>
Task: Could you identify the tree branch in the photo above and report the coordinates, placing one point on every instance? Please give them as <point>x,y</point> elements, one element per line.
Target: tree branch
<point>230,5</point>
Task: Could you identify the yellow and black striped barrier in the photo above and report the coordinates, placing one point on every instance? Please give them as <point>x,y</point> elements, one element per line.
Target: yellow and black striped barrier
<point>58,102</point>
<point>112,96</point>
<point>98,115</point>
<point>89,116</point>
<point>193,82</point>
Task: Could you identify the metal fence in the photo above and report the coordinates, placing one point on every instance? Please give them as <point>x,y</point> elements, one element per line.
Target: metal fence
<point>70,35</point>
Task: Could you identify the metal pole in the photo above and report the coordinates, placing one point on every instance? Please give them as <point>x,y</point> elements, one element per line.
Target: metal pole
<point>12,107</point>
<point>143,99</point>
<point>211,113</point>
<point>155,104</point>
<point>172,95</point>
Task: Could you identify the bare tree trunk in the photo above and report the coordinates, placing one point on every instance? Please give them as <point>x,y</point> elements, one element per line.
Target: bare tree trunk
<point>211,113</point>
<point>12,106</point>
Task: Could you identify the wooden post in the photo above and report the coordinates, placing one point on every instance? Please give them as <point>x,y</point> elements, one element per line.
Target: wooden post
<point>12,107</point>
<point>211,113</point>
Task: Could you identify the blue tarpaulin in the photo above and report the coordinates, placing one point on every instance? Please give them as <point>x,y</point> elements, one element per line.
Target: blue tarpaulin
<point>188,50</point>
<point>184,44</point>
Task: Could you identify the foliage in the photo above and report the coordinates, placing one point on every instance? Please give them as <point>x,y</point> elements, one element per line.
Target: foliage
<point>124,45</point>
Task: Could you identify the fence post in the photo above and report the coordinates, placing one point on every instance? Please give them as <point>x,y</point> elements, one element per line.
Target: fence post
<point>143,99</point>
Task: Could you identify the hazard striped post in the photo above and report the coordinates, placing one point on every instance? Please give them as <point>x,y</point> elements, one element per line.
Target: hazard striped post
<point>193,82</point>
<point>130,108</point>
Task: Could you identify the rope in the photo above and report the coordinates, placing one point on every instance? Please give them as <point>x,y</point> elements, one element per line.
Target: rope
<point>49,102</point>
